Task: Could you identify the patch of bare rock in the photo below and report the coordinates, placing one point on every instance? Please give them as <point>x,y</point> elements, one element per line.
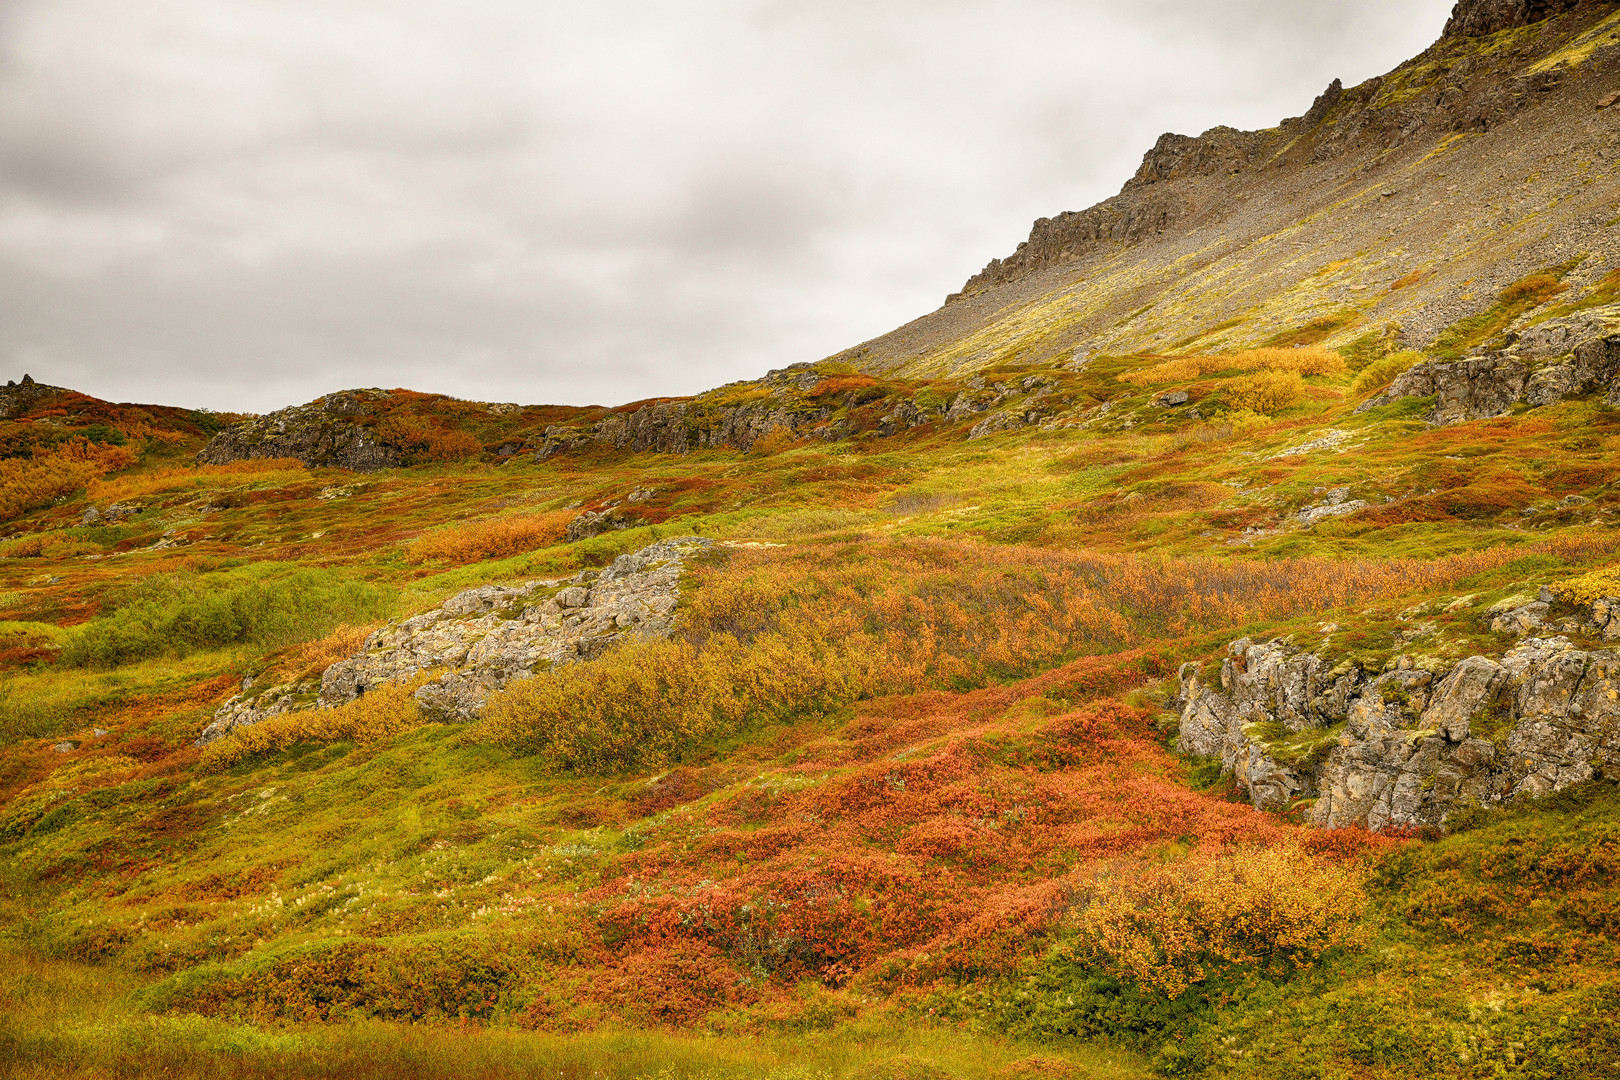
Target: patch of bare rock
<point>481,639</point>
<point>1410,745</point>
<point>1559,359</point>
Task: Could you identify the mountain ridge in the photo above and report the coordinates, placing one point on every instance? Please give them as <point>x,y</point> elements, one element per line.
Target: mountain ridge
<point>1381,207</point>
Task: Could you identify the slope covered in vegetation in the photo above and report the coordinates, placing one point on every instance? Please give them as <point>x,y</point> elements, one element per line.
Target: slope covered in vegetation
<point>895,791</point>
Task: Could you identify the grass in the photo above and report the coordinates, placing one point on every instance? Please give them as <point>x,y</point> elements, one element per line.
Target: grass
<point>76,1021</point>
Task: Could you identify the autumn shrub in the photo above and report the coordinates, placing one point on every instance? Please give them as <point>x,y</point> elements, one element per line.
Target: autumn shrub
<point>1583,590</point>
<point>773,636</point>
<point>493,538</point>
<point>176,477</point>
<point>424,440</point>
<point>1273,910</point>
<point>1305,361</point>
<point>308,659</point>
<point>1264,393</point>
<point>174,614</point>
<point>375,716</point>
<point>47,545</point>
<point>1380,373</point>
<point>414,980</point>
<point>48,474</point>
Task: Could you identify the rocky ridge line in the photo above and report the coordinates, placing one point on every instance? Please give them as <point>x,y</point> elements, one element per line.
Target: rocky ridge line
<point>481,639</point>
<point>322,433</point>
<point>1469,97</point>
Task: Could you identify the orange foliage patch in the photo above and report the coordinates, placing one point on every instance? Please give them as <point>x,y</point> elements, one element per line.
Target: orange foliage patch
<point>958,856</point>
<point>425,440</point>
<point>171,478</point>
<point>32,482</point>
<point>493,538</point>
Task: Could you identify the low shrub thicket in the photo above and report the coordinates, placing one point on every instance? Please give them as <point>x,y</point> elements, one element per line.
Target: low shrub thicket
<point>1272,911</point>
<point>372,717</point>
<point>493,538</point>
<point>179,477</point>
<point>48,474</point>
<point>174,614</point>
<point>1307,361</point>
<point>774,636</point>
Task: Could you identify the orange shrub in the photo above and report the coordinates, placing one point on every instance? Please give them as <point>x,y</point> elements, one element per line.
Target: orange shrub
<point>1310,361</point>
<point>170,478</point>
<point>424,440</point>
<point>493,538</point>
<point>308,659</point>
<point>1272,909</point>
<point>29,483</point>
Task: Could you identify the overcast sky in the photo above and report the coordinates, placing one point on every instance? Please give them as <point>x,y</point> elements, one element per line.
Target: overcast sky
<point>243,204</point>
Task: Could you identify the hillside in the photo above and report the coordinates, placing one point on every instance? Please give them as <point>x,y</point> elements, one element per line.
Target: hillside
<point>1396,207</point>
<point>1055,687</point>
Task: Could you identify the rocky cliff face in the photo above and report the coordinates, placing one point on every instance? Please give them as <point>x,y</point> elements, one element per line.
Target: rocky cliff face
<point>17,398</point>
<point>1410,745</point>
<point>1479,18</point>
<point>481,639</point>
<point>321,434</point>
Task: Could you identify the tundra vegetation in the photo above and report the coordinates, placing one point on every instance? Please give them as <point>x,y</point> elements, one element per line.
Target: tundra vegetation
<point>898,795</point>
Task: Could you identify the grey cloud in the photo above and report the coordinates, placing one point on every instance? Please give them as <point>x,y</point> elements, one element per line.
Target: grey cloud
<point>241,204</point>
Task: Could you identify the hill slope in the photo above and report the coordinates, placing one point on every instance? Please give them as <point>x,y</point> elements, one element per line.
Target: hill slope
<point>1398,206</point>
<point>1180,711</point>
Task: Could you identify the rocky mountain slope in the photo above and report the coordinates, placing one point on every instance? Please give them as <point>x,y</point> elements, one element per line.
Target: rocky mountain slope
<point>1396,207</point>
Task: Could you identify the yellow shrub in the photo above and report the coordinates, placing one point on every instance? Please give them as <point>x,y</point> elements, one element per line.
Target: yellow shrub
<point>493,538</point>
<point>374,716</point>
<point>1266,392</point>
<point>1380,373</point>
<point>1582,590</point>
<point>46,545</point>
<point>1272,909</point>
<point>308,659</point>
<point>1299,361</point>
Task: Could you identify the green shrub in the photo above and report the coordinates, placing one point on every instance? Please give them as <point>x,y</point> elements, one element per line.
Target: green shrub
<point>176,614</point>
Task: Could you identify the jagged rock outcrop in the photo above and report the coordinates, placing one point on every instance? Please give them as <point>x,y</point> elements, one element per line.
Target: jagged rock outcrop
<point>323,433</point>
<point>1560,359</point>
<point>481,639</point>
<point>17,397</point>
<point>1408,746</point>
<point>1477,18</point>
